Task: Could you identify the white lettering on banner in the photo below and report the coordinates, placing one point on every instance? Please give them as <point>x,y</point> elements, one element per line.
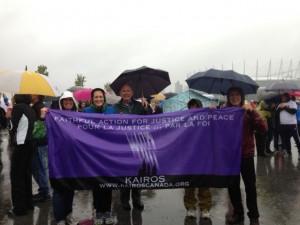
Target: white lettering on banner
<point>146,179</point>
<point>146,185</point>
<point>146,124</point>
<point>220,117</point>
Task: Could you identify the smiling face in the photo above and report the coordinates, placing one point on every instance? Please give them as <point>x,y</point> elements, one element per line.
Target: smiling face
<point>235,98</point>
<point>98,98</point>
<point>126,93</point>
<point>67,103</point>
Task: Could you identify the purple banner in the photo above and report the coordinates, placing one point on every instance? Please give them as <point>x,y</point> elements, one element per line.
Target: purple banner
<point>200,147</point>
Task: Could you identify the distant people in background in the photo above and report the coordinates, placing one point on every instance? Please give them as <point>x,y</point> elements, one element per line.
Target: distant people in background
<point>252,103</point>
<point>288,124</point>
<point>128,105</point>
<point>39,157</point>
<point>8,117</point>
<point>22,124</point>
<point>262,137</point>
<point>3,109</point>
<point>204,195</point>
<point>277,139</point>
<point>54,105</point>
<point>271,128</point>
<point>297,114</point>
<point>81,105</point>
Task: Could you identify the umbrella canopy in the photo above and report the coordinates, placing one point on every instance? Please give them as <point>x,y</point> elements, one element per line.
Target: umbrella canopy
<point>269,97</point>
<point>112,99</point>
<point>295,93</point>
<point>219,81</point>
<point>145,81</point>
<point>27,82</point>
<point>75,88</point>
<point>282,86</point>
<point>83,94</point>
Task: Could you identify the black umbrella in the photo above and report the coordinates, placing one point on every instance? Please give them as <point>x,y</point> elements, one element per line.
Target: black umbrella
<point>219,81</point>
<point>269,97</point>
<point>283,86</point>
<point>145,81</point>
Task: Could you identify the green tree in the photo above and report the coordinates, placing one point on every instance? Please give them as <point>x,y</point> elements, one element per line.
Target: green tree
<point>42,69</point>
<point>108,88</point>
<point>80,80</point>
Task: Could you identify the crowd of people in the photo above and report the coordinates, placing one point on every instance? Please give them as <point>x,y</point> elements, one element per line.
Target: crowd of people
<point>277,120</point>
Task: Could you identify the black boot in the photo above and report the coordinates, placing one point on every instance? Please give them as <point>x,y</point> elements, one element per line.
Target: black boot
<point>235,219</point>
<point>254,221</point>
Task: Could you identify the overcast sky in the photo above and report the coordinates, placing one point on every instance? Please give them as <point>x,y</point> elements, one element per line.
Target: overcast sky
<point>100,39</point>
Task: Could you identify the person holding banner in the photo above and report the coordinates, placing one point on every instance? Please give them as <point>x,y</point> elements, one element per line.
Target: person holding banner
<point>128,105</point>
<point>101,198</point>
<point>204,195</point>
<point>252,121</point>
<point>62,199</point>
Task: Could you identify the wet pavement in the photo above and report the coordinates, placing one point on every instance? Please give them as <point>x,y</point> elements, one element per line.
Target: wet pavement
<point>278,186</point>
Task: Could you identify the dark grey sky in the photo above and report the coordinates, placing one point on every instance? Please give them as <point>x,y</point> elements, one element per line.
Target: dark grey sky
<point>101,39</point>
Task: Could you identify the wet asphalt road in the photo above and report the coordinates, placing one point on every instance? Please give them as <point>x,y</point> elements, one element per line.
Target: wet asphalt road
<point>278,185</point>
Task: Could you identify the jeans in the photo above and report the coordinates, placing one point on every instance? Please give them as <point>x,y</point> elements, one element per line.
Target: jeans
<point>39,169</point>
<point>288,131</point>
<point>62,201</point>
<point>249,178</point>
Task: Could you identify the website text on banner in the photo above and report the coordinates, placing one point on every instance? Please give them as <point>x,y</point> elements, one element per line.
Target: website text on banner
<point>191,148</point>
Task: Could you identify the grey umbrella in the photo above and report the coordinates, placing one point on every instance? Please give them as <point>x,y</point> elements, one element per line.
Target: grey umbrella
<point>219,81</point>
<point>75,88</point>
<point>282,86</point>
<point>145,81</point>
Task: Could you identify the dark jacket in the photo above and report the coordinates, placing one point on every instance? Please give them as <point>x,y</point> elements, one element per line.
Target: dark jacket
<point>37,109</point>
<point>22,123</point>
<point>134,107</point>
<point>252,121</point>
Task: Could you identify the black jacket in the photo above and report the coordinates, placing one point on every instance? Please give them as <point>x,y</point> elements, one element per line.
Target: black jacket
<point>22,123</point>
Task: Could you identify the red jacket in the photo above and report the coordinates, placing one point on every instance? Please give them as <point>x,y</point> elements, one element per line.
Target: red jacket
<point>252,121</point>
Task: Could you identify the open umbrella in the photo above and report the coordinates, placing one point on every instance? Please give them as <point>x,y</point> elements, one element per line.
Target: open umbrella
<point>75,88</point>
<point>282,86</point>
<point>112,99</point>
<point>27,82</point>
<point>269,97</point>
<point>145,81</point>
<point>295,93</point>
<point>219,81</point>
<point>83,94</point>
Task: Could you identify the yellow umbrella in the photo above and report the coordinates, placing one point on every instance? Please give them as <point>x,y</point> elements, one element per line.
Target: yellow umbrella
<point>158,96</point>
<point>27,82</point>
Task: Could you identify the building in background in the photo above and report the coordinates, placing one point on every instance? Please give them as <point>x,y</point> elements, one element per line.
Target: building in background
<point>178,87</point>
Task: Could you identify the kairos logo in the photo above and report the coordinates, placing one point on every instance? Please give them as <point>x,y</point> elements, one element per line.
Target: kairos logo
<point>146,179</point>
